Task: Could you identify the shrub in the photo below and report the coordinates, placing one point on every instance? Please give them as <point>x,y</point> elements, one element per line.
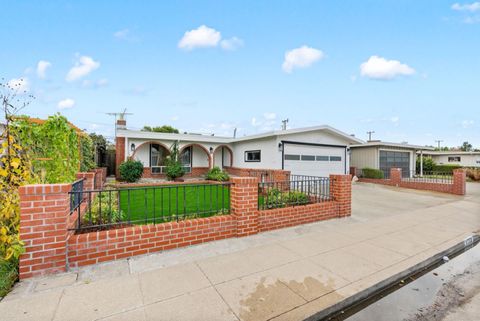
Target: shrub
<point>447,168</point>
<point>428,164</point>
<point>131,170</point>
<point>8,275</point>
<point>174,168</point>
<point>87,162</point>
<point>276,199</point>
<point>104,209</point>
<point>216,174</point>
<point>473,174</point>
<point>372,173</point>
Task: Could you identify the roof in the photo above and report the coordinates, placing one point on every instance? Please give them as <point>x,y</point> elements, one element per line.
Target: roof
<point>451,152</point>
<point>378,143</point>
<point>227,140</point>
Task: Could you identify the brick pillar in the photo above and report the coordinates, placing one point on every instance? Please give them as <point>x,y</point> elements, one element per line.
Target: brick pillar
<point>353,171</point>
<point>396,176</point>
<point>341,191</point>
<point>459,181</point>
<point>44,212</point>
<point>119,154</point>
<point>244,204</point>
<point>89,182</point>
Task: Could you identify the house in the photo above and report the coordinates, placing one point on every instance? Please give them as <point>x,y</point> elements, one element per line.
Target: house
<point>316,151</point>
<point>384,155</point>
<point>464,159</point>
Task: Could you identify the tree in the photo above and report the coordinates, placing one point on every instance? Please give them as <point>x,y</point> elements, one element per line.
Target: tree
<point>466,147</point>
<point>161,129</point>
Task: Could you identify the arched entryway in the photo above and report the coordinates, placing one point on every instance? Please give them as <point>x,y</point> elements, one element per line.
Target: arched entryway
<point>195,159</point>
<point>223,156</point>
<point>153,155</point>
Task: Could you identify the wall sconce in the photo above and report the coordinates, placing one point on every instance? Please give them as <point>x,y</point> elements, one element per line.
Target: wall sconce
<point>211,150</point>
<point>132,147</point>
<point>280,145</point>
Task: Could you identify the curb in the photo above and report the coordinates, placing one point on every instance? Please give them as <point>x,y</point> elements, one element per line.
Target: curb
<point>338,309</point>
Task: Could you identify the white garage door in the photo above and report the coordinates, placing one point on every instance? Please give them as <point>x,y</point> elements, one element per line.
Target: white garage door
<point>314,160</point>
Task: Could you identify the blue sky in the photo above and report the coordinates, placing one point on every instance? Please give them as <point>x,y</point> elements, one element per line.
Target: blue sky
<point>409,70</point>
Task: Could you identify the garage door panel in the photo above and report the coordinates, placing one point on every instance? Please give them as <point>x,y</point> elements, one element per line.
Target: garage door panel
<point>314,160</point>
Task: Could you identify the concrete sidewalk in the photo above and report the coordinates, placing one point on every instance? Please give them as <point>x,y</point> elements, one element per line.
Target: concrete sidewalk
<point>286,274</point>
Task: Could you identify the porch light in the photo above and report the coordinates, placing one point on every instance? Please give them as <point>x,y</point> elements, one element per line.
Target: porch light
<point>211,150</point>
<point>280,147</point>
<point>132,147</point>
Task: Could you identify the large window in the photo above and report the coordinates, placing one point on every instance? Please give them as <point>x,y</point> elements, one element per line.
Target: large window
<point>392,159</point>
<point>252,156</point>
<point>186,156</point>
<point>157,155</point>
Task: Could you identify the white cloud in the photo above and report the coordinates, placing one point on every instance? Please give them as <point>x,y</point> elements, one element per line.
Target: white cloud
<point>382,69</point>
<point>269,116</point>
<point>471,7</point>
<point>42,67</point>
<point>66,103</point>
<point>266,122</point>
<point>202,37</point>
<point>467,123</point>
<point>302,57</point>
<point>83,66</point>
<point>19,85</point>
<point>174,118</point>
<point>231,44</point>
<point>122,34</point>
<point>95,84</point>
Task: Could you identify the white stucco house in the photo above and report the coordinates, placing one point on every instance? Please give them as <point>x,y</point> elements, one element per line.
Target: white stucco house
<point>464,159</point>
<point>316,151</point>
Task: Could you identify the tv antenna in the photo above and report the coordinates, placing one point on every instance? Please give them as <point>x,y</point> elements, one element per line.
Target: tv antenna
<point>119,116</point>
<point>369,133</point>
<point>284,124</point>
<point>438,143</point>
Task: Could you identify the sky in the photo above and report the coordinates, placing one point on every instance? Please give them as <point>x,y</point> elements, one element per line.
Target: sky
<point>408,70</point>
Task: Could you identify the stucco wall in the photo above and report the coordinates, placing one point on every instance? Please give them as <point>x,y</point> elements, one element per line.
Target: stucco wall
<point>271,157</point>
<point>465,160</point>
<point>364,157</point>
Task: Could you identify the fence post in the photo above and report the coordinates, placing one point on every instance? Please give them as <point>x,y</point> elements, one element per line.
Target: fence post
<point>395,176</point>
<point>244,204</point>
<point>341,191</point>
<point>89,182</point>
<point>459,181</point>
<point>44,215</point>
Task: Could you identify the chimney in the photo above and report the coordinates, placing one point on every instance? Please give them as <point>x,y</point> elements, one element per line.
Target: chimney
<point>121,124</point>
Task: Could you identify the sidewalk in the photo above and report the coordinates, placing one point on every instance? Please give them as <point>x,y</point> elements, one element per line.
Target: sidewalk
<point>286,274</point>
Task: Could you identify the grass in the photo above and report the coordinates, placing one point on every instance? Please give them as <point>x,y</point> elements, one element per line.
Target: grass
<point>172,202</point>
<point>8,276</point>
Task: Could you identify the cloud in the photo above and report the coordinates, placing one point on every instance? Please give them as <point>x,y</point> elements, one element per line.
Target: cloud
<point>471,7</point>
<point>269,116</point>
<point>83,66</point>
<point>202,37</point>
<point>19,85</point>
<point>266,123</point>
<point>379,68</point>
<point>42,67</point>
<point>231,44</point>
<point>95,84</point>
<point>136,91</point>
<point>174,118</point>
<point>467,123</point>
<point>302,57</point>
<point>66,103</point>
<point>123,34</point>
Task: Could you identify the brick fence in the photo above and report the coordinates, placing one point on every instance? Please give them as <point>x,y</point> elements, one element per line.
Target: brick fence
<point>51,247</point>
<point>265,174</point>
<point>457,186</point>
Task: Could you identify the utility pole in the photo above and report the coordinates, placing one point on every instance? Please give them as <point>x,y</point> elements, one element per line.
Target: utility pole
<point>121,116</point>
<point>369,133</point>
<point>284,124</point>
<point>438,143</point>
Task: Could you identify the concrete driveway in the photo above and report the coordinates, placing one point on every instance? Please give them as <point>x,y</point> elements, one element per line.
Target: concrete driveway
<point>286,274</point>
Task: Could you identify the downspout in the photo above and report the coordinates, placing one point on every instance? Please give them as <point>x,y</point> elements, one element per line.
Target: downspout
<point>421,163</point>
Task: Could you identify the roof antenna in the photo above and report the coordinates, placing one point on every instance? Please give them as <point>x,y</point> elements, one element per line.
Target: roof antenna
<point>119,116</point>
<point>369,133</point>
<point>284,124</point>
<point>235,132</point>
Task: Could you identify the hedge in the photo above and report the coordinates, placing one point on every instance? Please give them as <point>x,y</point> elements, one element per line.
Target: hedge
<point>372,173</point>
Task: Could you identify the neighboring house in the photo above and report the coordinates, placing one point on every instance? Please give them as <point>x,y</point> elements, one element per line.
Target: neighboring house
<point>465,159</point>
<point>317,151</point>
<point>382,155</point>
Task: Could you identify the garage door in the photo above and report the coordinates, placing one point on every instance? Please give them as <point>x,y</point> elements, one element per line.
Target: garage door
<point>314,160</point>
<point>393,159</point>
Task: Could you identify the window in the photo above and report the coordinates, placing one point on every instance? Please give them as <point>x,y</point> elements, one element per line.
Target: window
<point>252,156</point>
<point>186,156</point>
<point>394,159</point>
<point>335,158</point>
<point>292,157</point>
<point>454,159</point>
<point>157,155</point>
<point>308,158</point>
<point>322,158</point>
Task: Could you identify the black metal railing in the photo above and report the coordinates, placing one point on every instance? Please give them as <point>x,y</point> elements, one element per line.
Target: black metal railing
<point>76,194</point>
<point>296,192</point>
<point>429,177</point>
<point>151,205</point>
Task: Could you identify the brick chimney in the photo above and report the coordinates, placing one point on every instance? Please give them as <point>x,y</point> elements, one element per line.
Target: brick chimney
<point>121,124</point>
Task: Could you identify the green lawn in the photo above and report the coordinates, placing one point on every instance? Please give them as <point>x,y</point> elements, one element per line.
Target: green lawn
<point>169,203</point>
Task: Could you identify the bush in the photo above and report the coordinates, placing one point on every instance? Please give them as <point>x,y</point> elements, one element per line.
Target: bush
<point>87,162</point>
<point>447,169</point>
<point>473,174</point>
<point>174,169</point>
<point>8,275</point>
<point>104,209</point>
<point>216,174</point>
<point>277,199</point>
<point>428,164</point>
<point>131,170</point>
<point>372,173</point>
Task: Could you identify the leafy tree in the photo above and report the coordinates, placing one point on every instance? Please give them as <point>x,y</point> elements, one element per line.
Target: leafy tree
<point>160,129</point>
<point>87,153</point>
<point>428,164</point>
<point>466,147</point>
